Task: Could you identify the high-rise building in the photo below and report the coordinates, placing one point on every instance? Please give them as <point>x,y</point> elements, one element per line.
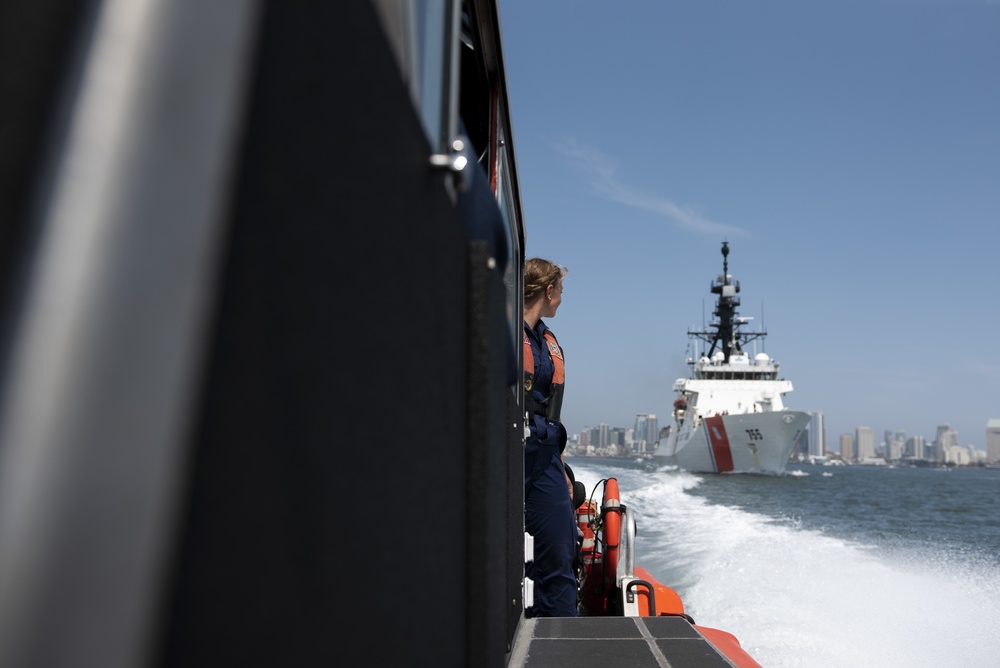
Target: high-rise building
<point>846,447</point>
<point>946,438</point>
<point>817,434</point>
<point>603,435</point>
<point>915,448</point>
<point>864,438</point>
<point>895,443</point>
<point>993,441</point>
<point>646,433</point>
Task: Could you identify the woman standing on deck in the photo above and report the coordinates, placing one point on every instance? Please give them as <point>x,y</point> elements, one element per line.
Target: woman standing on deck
<point>548,510</point>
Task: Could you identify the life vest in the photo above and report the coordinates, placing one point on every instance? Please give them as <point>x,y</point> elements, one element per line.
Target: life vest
<point>553,406</point>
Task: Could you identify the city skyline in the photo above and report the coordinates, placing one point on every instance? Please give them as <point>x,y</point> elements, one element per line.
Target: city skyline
<point>876,447</point>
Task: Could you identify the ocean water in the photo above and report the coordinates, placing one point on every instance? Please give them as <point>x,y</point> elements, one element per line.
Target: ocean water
<point>826,566</point>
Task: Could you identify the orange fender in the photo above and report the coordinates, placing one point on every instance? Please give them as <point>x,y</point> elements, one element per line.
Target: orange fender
<point>668,602</point>
<point>611,511</point>
<point>728,644</point>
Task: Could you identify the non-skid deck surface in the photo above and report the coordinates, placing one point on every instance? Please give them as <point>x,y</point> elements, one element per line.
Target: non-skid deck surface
<point>636,642</point>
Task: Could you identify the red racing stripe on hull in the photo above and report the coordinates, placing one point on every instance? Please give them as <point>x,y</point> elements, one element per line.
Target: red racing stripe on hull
<point>722,455</point>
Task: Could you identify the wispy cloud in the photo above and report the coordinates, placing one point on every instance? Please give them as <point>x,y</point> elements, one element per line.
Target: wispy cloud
<point>600,170</point>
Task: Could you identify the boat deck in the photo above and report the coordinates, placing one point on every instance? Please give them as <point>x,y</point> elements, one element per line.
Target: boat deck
<point>637,642</point>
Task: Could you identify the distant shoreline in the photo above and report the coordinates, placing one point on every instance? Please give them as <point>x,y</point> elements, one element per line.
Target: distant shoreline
<point>839,462</point>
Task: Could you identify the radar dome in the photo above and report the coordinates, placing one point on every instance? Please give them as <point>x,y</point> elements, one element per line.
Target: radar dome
<point>761,359</point>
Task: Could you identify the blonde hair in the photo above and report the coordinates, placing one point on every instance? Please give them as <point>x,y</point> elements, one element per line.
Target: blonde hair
<point>539,274</point>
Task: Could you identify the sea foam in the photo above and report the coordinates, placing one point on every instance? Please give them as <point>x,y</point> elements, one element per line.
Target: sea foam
<point>797,597</point>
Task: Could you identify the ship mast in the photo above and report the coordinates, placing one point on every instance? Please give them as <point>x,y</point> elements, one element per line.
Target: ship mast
<point>726,336</point>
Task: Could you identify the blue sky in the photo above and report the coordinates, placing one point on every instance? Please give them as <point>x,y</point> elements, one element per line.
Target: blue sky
<point>848,151</point>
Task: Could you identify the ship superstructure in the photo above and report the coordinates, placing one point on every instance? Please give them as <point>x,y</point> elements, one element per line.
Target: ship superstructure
<point>729,414</point>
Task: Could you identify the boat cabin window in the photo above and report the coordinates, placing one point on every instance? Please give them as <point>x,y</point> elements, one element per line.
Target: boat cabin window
<point>484,114</point>
<point>424,37</point>
<point>432,41</point>
<point>510,210</point>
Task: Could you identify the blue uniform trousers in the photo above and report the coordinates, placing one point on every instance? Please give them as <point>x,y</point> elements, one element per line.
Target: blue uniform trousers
<point>550,518</point>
